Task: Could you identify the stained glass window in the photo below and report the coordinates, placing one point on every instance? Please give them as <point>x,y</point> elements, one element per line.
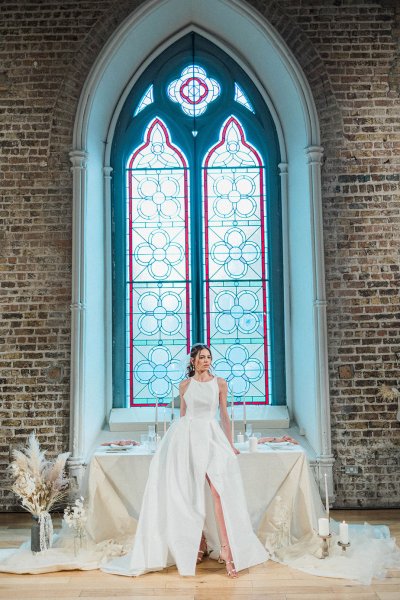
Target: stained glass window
<point>147,98</point>
<point>158,285</point>
<point>194,90</point>
<point>235,263</point>
<point>241,97</point>
<point>196,230</point>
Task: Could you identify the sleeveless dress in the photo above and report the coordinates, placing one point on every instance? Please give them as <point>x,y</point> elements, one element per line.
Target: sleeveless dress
<point>177,504</point>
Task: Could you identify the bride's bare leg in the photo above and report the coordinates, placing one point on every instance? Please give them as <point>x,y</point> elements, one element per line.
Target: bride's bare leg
<point>219,517</point>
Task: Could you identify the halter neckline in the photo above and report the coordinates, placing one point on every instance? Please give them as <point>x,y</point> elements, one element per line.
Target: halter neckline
<point>208,381</point>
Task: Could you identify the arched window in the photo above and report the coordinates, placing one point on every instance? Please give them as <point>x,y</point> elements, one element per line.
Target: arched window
<point>196,230</point>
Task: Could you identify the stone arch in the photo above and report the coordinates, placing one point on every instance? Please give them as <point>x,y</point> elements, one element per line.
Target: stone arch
<point>283,82</point>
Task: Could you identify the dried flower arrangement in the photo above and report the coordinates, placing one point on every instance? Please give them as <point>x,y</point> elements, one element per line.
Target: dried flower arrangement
<point>39,483</point>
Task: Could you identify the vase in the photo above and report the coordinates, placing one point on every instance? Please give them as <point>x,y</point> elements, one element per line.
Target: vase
<point>41,540</point>
<point>35,534</point>
<point>80,540</point>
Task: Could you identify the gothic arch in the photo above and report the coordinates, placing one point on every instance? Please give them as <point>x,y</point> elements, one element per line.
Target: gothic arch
<point>144,33</point>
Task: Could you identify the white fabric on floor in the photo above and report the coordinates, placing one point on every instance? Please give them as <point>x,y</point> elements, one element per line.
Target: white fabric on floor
<point>283,504</point>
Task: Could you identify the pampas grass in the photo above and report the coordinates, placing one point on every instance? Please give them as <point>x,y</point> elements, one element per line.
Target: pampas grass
<point>39,483</point>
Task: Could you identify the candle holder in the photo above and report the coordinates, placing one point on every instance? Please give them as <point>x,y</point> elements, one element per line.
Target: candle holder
<point>343,545</point>
<point>325,544</point>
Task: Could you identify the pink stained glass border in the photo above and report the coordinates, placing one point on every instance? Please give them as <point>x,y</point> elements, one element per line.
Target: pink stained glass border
<point>262,226</point>
<point>140,149</point>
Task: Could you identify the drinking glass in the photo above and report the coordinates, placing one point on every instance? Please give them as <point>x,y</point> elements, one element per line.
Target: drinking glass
<point>249,430</point>
<point>144,441</point>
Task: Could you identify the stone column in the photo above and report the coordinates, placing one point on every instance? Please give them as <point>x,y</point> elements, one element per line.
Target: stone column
<point>325,459</point>
<point>76,462</point>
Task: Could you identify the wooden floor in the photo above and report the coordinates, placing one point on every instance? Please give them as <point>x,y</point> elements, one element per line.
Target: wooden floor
<point>267,582</point>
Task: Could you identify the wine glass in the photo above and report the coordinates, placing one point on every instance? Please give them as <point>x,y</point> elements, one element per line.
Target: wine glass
<point>249,430</point>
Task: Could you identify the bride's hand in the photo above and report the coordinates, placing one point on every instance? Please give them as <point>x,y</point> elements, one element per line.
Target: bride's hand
<point>235,450</point>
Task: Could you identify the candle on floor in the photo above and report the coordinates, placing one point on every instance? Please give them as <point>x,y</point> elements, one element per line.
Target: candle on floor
<point>240,438</point>
<point>244,415</point>
<point>344,533</point>
<point>326,495</point>
<point>323,526</point>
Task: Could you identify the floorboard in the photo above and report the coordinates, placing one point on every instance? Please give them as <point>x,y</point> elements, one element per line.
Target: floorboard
<point>271,581</point>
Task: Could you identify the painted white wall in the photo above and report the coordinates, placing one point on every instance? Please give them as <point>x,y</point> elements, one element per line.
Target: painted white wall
<point>230,24</point>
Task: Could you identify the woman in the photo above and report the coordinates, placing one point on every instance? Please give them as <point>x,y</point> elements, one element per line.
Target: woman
<point>194,453</point>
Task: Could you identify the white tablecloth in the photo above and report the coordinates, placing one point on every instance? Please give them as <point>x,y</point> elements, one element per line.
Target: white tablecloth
<point>282,496</point>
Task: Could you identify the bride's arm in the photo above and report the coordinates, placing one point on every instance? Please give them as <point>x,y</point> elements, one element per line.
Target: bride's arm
<point>182,389</point>
<point>223,410</point>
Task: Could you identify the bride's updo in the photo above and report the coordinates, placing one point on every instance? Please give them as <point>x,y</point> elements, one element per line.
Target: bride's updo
<point>193,353</point>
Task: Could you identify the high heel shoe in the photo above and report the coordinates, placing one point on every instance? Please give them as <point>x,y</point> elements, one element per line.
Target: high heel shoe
<point>202,551</point>
<point>230,571</point>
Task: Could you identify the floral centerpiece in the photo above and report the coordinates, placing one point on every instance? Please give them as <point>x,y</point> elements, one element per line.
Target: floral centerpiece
<point>75,517</point>
<point>40,484</point>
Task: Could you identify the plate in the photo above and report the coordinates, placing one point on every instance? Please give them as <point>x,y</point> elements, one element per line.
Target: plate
<point>116,448</point>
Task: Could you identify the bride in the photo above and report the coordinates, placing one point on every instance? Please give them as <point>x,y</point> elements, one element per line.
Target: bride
<point>176,525</point>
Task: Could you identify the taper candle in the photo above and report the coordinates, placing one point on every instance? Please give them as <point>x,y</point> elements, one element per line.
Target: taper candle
<point>165,421</point>
<point>326,495</point>
<point>244,414</point>
<point>172,402</point>
<point>156,417</point>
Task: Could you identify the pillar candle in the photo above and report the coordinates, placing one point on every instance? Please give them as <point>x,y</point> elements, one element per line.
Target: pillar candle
<point>253,444</point>
<point>323,526</point>
<point>240,438</point>
<point>326,495</point>
<point>344,532</point>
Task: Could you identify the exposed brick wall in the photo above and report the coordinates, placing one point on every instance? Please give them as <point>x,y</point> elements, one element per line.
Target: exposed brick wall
<point>350,53</point>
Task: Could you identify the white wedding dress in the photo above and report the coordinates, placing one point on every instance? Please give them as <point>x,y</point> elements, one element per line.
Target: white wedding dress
<point>177,505</point>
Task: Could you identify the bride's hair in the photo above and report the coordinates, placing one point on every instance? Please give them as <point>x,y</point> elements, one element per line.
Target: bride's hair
<point>193,353</point>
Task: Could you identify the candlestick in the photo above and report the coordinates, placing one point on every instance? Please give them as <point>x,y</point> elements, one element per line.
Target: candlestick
<point>325,545</point>
<point>244,414</point>
<point>172,402</point>
<point>344,533</point>
<point>323,527</point>
<point>165,421</point>
<point>232,418</point>
<point>326,496</point>
<point>156,417</point>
